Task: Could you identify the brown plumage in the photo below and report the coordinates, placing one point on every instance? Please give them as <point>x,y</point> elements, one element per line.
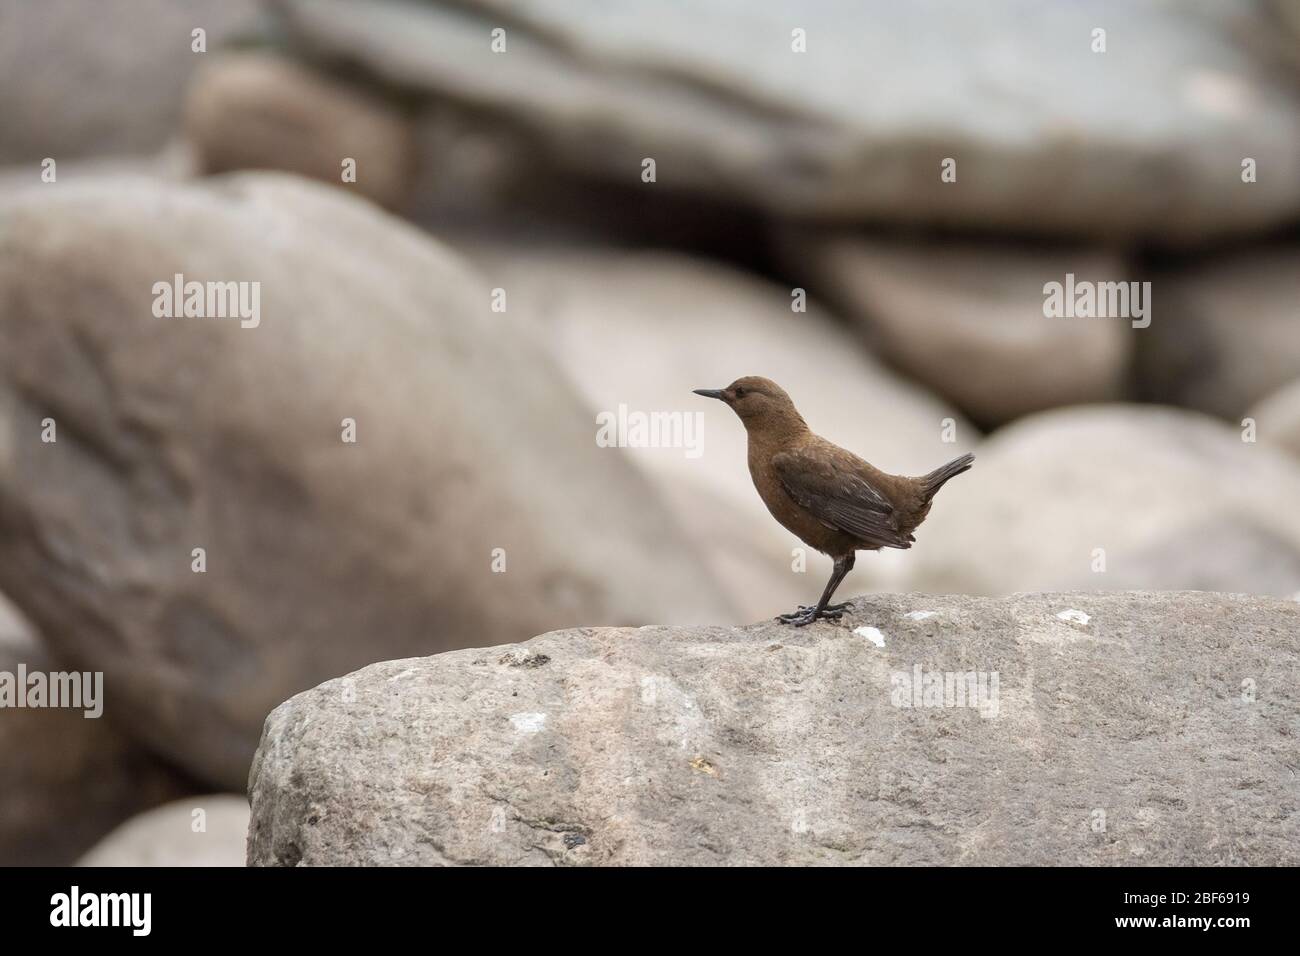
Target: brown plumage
<point>829,498</point>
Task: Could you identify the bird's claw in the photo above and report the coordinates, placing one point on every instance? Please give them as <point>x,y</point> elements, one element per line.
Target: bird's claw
<point>807,614</point>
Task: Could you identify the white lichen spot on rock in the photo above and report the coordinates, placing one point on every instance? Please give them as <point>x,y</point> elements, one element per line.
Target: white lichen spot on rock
<point>528,723</point>
<point>919,615</point>
<point>1071,616</point>
<point>872,634</point>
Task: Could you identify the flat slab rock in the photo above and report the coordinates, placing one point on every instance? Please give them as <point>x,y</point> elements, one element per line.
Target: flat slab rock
<point>1133,727</point>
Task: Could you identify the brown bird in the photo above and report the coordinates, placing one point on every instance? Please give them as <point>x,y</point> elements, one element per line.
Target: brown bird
<point>830,498</point>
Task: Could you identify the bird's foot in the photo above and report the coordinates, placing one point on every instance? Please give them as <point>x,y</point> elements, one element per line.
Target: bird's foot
<point>807,614</point>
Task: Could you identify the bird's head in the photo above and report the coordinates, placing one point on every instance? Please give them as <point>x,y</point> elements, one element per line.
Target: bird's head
<point>758,401</point>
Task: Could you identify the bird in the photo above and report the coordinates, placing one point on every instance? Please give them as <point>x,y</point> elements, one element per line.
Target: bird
<point>826,496</point>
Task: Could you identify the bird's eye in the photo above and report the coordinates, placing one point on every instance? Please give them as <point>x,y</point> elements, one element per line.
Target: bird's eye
<point>740,391</point>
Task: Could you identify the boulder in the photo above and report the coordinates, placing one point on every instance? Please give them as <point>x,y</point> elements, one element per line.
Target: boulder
<point>197,831</point>
<point>1048,135</point>
<point>109,79</point>
<point>1223,333</point>
<point>260,111</point>
<point>68,779</point>
<point>640,330</point>
<point>15,633</point>
<point>1116,497</point>
<point>473,507</point>
<point>1277,418</point>
<point>968,321</point>
<point>1092,729</point>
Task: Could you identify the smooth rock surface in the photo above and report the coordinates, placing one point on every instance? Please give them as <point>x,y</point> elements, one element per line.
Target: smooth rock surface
<point>1049,137</point>
<point>1277,418</point>
<point>260,111</point>
<point>1225,333</point>
<point>197,831</point>
<point>321,555</point>
<point>968,322</point>
<point>1114,497</point>
<point>67,779</point>
<point>82,79</point>
<point>642,329</point>
<point>1133,728</point>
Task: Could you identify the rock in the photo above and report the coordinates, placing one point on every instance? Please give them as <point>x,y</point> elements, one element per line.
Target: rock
<point>1157,497</point>
<point>1224,332</point>
<point>14,631</point>
<point>175,434</point>
<point>198,831</point>
<point>76,82</point>
<point>1048,136</point>
<point>1277,418</point>
<point>68,779</point>
<point>968,321</point>
<point>640,330</point>
<point>175,164</point>
<point>258,111</point>
<point>1162,717</point>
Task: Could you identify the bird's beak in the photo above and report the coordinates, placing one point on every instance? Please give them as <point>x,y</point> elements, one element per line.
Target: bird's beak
<point>710,393</point>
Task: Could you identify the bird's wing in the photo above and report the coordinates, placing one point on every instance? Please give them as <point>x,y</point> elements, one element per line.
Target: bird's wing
<point>830,483</point>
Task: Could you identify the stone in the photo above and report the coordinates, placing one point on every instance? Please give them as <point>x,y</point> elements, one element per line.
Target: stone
<point>261,111</point>
<point>203,830</point>
<point>1277,418</point>
<point>109,79</point>
<point>968,320</point>
<point>1224,331</point>
<point>1116,497</point>
<point>472,453</point>
<point>640,330</point>
<point>68,779</point>
<point>1048,136</point>
<point>1103,729</point>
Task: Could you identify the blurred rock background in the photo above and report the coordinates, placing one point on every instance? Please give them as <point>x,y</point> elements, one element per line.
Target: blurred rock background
<point>797,226</point>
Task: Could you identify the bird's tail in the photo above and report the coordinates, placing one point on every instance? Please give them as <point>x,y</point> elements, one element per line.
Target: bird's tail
<point>931,483</point>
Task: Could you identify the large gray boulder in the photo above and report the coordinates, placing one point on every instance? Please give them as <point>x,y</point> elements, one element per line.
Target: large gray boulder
<point>968,320</point>
<point>1145,138</point>
<point>1224,334</point>
<point>68,778</point>
<point>258,111</point>
<point>1115,497</point>
<point>202,830</point>
<point>1126,728</point>
<point>641,329</point>
<point>108,77</point>
<point>175,434</point>
<point>1277,418</point>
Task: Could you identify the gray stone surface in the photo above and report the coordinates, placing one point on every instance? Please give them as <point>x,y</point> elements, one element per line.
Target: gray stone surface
<point>1225,331</point>
<point>68,780</point>
<point>1140,728</point>
<point>1114,497</point>
<point>87,79</point>
<point>1277,418</point>
<point>203,830</point>
<point>1145,138</point>
<point>260,111</point>
<point>967,320</point>
<point>322,556</point>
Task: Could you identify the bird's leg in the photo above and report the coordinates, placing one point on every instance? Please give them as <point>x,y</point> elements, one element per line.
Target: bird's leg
<point>806,615</point>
